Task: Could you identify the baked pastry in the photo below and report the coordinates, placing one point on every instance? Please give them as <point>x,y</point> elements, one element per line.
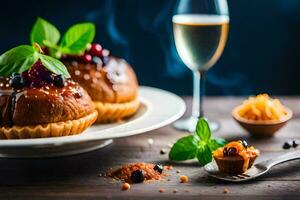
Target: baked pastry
<point>36,101</point>
<point>110,81</point>
<point>235,157</point>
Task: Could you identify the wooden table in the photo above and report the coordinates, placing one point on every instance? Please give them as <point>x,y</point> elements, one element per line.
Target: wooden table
<point>76,177</point>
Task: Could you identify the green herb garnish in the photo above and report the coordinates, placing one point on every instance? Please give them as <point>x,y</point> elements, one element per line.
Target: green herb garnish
<point>199,145</point>
<point>73,42</point>
<point>22,58</point>
<point>44,32</point>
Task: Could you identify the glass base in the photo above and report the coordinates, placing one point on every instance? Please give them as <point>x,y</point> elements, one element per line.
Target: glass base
<point>189,124</point>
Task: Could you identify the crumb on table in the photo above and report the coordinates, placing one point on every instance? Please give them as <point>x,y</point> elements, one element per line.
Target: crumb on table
<point>184,179</point>
<point>168,167</point>
<point>125,186</point>
<point>225,191</point>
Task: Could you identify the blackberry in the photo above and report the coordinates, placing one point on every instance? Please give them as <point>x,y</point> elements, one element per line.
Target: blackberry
<point>137,176</point>
<point>17,81</point>
<point>59,81</point>
<point>159,168</point>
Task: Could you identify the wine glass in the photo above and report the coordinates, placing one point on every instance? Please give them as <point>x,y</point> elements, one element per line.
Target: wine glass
<point>200,30</point>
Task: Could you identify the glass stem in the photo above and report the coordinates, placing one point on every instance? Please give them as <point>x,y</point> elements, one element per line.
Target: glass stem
<point>202,92</point>
<point>198,92</point>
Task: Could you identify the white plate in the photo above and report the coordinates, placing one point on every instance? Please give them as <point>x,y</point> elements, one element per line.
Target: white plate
<point>158,108</point>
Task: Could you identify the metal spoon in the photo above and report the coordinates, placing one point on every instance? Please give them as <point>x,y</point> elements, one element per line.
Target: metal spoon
<point>254,172</point>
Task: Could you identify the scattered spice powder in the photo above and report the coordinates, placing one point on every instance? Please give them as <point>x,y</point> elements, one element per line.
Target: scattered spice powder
<point>168,167</point>
<point>184,179</point>
<point>125,186</point>
<point>124,173</point>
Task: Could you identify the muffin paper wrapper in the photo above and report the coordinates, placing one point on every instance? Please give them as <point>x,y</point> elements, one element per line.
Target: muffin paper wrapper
<point>112,112</point>
<point>70,127</point>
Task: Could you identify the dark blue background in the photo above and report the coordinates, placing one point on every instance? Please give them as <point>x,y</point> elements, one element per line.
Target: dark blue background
<point>262,54</point>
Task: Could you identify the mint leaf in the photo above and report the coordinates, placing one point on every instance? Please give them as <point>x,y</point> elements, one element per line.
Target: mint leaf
<point>204,154</point>
<point>44,33</point>
<point>203,130</point>
<point>198,145</point>
<point>54,65</point>
<point>18,59</point>
<point>22,58</point>
<point>185,148</point>
<point>216,143</point>
<point>75,40</point>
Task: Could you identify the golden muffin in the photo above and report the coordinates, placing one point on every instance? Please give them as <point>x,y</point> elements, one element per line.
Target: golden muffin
<point>39,103</point>
<point>235,157</point>
<point>110,81</point>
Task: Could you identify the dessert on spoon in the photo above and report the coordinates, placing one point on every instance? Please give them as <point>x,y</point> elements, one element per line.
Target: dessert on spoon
<point>235,157</point>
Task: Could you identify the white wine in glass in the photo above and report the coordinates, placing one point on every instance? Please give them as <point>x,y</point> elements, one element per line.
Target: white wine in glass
<point>200,37</point>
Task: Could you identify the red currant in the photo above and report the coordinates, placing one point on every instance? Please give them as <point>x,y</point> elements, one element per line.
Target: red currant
<point>45,50</point>
<point>36,69</point>
<point>87,58</point>
<point>37,75</point>
<point>96,50</point>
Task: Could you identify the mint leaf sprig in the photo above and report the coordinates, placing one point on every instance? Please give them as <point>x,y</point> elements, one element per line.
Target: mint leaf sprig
<point>22,58</point>
<point>73,42</point>
<point>199,145</point>
<point>43,31</point>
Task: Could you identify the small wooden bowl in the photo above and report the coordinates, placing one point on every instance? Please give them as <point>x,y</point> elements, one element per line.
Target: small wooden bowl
<point>261,128</point>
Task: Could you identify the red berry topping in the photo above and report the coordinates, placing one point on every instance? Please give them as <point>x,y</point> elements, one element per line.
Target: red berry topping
<point>87,58</point>
<point>45,50</point>
<point>96,50</point>
<point>37,75</point>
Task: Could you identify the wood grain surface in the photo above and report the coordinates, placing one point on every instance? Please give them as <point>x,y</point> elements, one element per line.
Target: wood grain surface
<point>76,177</point>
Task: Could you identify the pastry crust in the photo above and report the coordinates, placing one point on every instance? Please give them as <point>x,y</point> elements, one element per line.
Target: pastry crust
<point>111,112</point>
<point>57,129</point>
<point>233,165</point>
<point>113,88</point>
